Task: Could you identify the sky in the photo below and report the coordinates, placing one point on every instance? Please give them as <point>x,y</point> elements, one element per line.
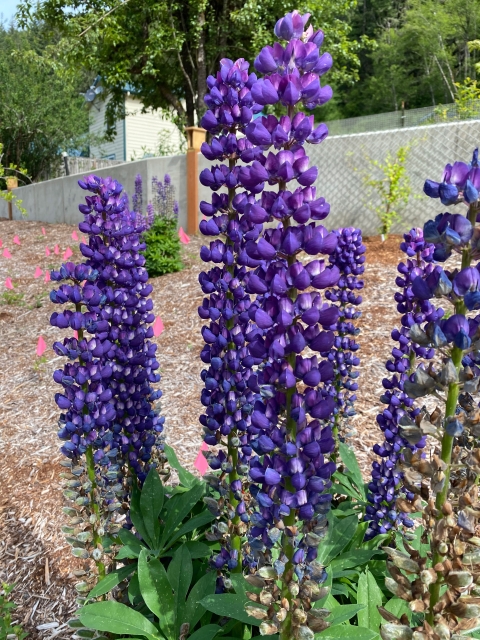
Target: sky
<point>8,7</point>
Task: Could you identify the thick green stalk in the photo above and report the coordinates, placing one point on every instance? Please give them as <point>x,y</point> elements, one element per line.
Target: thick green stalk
<point>448,441</point>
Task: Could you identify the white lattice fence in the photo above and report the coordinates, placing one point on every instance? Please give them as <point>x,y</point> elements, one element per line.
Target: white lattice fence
<point>343,164</point>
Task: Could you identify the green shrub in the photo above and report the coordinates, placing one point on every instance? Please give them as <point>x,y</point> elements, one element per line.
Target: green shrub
<point>163,247</point>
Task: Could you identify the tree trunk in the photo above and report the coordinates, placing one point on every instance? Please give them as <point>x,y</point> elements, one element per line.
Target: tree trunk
<point>201,66</point>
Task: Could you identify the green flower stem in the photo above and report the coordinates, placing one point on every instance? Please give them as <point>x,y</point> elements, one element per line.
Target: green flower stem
<point>448,441</point>
<point>289,521</point>
<point>95,509</point>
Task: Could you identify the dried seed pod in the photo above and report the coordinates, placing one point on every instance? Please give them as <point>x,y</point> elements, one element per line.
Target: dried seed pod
<point>304,633</point>
<point>428,576</point>
<point>471,557</point>
<point>299,616</point>
<point>285,604</point>
<point>255,612</point>
<point>397,589</point>
<point>268,573</point>
<point>464,610</point>
<point>417,606</point>
<point>266,598</point>
<point>294,589</point>
<point>395,632</point>
<point>459,579</point>
<point>255,580</point>
<point>254,597</point>
<point>402,561</point>
<point>268,628</point>
<point>281,614</point>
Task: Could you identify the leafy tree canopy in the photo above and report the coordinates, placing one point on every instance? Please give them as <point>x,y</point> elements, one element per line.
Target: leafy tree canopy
<point>163,50</point>
<point>41,111</point>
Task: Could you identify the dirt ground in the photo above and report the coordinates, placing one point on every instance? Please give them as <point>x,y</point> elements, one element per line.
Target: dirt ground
<point>33,553</point>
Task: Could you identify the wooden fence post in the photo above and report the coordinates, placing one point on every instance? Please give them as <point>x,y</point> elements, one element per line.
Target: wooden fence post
<point>195,137</point>
<point>12,183</point>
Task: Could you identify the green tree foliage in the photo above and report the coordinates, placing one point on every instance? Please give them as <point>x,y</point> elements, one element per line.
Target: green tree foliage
<point>165,49</point>
<point>41,111</point>
<point>421,51</point>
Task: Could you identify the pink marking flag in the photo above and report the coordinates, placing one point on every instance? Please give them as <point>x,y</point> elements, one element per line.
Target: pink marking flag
<point>1,243</point>
<point>74,235</point>
<point>16,240</point>
<point>68,253</point>
<point>75,334</point>
<point>47,251</point>
<point>43,231</point>
<point>56,250</point>
<point>8,283</point>
<point>6,253</point>
<point>38,272</point>
<point>41,346</point>
<point>184,239</point>
<point>158,326</point>
<point>47,276</point>
<point>200,461</point>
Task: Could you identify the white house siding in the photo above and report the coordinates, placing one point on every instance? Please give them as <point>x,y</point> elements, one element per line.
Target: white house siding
<point>145,132</point>
<point>115,150</point>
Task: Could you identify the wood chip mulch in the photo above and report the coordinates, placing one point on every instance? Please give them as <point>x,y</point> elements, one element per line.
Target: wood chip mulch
<point>33,552</point>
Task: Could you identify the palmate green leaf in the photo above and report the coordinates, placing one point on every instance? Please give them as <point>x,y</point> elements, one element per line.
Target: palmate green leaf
<point>117,618</point>
<point>343,612</point>
<point>194,523</point>
<point>137,517</point>
<point>204,587</point>
<point>353,558</point>
<point>347,632</point>
<point>179,573</point>
<point>185,477</point>
<point>111,580</point>
<point>370,595</point>
<point>128,538</point>
<point>230,605</point>
<point>157,593</point>
<point>350,461</point>
<point>339,534</point>
<point>151,503</point>
<point>206,633</point>
<point>178,508</point>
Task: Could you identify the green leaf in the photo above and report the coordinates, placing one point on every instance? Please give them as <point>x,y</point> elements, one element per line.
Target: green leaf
<point>137,517</point>
<point>151,503</point>
<point>344,489</point>
<point>350,461</point>
<point>344,612</point>
<point>179,573</point>
<point>157,593</point>
<point>128,538</point>
<point>111,580</point>
<point>370,595</point>
<point>347,632</point>
<point>357,539</point>
<point>194,523</point>
<point>398,607</point>
<point>117,618</point>
<point>128,552</point>
<point>339,534</point>
<point>229,605</point>
<point>133,589</point>
<point>185,477</point>
<point>178,508</point>
<point>204,587</point>
<point>353,559</point>
<point>206,633</point>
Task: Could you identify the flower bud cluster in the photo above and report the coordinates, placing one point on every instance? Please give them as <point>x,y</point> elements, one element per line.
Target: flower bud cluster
<point>386,484</point>
<point>349,258</point>
<point>460,183</point>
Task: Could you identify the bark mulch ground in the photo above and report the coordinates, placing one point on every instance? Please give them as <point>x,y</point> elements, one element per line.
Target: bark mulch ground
<point>33,553</point>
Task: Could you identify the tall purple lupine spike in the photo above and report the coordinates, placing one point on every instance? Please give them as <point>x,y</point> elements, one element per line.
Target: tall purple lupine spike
<point>349,257</point>
<point>386,485</point>
<point>291,468</point>
<point>137,198</point>
<point>228,395</point>
<point>108,419</point>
